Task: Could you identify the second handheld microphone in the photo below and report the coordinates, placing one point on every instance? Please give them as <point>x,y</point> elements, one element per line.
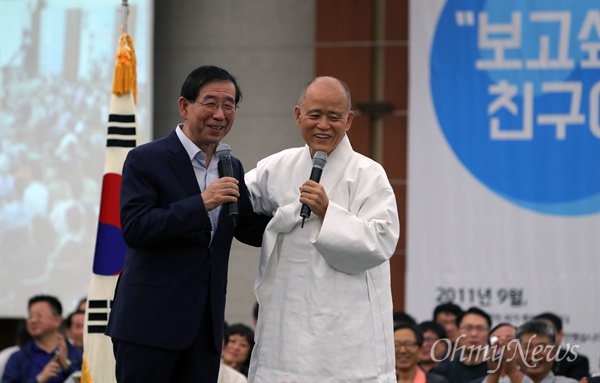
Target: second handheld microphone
<point>226,170</point>
<point>319,161</point>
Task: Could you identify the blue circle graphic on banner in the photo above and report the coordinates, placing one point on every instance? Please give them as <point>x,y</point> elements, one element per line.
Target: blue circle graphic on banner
<point>516,90</point>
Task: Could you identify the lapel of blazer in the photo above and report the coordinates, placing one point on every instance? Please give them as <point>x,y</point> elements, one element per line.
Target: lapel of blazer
<point>181,165</point>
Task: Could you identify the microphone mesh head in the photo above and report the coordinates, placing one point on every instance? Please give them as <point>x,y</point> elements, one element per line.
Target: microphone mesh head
<point>319,160</point>
<point>223,150</point>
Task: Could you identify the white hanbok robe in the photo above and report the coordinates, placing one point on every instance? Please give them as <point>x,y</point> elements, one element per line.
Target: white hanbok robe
<point>324,290</point>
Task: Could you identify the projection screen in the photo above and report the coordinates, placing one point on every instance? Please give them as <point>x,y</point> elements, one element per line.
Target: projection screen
<point>57,62</point>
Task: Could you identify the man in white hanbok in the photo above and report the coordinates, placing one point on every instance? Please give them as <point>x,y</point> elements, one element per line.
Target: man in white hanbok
<point>324,289</point>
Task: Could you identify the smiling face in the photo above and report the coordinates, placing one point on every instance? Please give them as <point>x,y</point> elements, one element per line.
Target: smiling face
<point>324,115</point>
<point>236,351</point>
<point>42,320</point>
<point>204,127</point>
<point>540,353</point>
<point>407,349</point>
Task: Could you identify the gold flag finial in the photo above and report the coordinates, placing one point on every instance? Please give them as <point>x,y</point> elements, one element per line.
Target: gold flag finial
<point>125,78</point>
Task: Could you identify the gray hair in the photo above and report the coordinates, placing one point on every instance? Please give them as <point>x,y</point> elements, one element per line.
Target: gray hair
<point>537,327</point>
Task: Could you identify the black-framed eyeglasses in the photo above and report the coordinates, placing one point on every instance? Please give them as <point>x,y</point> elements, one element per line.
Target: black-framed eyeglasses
<point>409,345</point>
<point>469,328</point>
<point>212,107</point>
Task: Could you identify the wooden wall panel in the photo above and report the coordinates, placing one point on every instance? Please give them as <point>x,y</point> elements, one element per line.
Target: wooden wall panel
<point>344,20</point>
<point>350,64</point>
<point>396,76</point>
<point>396,22</point>
<point>395,147</point>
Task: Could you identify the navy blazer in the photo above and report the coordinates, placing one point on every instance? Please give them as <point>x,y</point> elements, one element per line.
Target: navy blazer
<point>170,270</point>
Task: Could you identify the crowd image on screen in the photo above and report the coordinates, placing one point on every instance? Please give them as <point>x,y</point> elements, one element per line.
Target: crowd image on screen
<point>51,169</point>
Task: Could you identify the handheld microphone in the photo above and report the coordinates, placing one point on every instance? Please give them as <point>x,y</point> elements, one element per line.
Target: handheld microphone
<point>319,161</point>
<point>226,170</point>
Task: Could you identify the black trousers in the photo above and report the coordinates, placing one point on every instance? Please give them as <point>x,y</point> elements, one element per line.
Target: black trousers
<point>198,363</point>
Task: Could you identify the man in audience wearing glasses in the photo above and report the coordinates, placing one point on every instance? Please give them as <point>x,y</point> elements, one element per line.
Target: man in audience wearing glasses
<point>468,361</point>
<point>408,340</point>
<point>529,360</point>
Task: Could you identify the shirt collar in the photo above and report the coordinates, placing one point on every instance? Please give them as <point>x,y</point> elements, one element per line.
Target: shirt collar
<point>191,149</point>
<point>419,376</point>
<point>37,348</point>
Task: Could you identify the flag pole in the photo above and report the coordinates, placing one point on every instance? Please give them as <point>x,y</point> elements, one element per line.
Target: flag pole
<point>109,256</point>
<point>124,15</point>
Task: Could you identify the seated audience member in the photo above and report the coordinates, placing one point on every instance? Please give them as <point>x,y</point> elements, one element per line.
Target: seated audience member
<point>74,328</point>
<point>531,359</point>
<point>229,375</point>
<point>567,363</point>
<point>433,351</point>
<point>226,373</point>
<point>48,357</point>
<point>446,314</point>
<point>408,340</point>
<point>501,334</point>
<point>469,362</point>
<point>239,341</point>
<point>403,317</point>
<point>22,337</point>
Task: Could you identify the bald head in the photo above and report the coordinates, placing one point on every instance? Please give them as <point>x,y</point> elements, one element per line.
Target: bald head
<point>329,81</point>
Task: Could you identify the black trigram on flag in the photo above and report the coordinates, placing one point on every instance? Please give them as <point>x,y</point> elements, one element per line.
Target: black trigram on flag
<point>97,312</point>
<point>121,131</point>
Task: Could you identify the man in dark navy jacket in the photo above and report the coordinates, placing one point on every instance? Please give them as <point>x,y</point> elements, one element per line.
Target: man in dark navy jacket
<point>167,318</point>
<point>47,357</point>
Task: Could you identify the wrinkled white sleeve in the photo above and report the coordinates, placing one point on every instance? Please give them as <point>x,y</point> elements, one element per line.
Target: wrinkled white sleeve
<point>256,182</point>
<point>355,242</point>
<point>285,217</point>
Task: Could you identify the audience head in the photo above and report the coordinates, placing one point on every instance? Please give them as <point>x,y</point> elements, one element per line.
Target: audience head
<point>537,340</point>
<point>74,328</point>
<point>432,332</point>
<point>239,341</point>
<point>408,340</point>
<point>504,331</point>
<point>475,325</point>
<point>403,317</point>
<point>554,321</point>
<point>446,314</point>
<point>45,316</point>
